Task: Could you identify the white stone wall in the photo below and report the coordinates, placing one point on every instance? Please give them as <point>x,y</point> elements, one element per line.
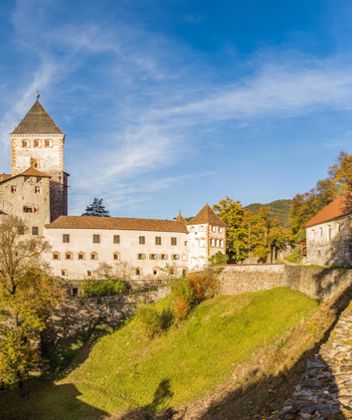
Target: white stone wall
<point>204,241</point>
<point>81,241</point>
<point>46,149</point>
<point>327,243</point>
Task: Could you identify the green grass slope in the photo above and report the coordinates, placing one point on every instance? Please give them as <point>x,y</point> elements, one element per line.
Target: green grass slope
<point>279,208</point>
<point>126,370</point>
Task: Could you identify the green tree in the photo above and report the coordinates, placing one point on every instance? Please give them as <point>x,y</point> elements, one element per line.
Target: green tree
<point>27,294</point>
<point>236,219</point>
<point>96,208</point>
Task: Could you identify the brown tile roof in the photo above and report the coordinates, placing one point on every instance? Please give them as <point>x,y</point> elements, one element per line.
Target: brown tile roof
<point>180,218</point>
<point>4,177</point>
<point>118,223</point>
<point>334,210</point>
<point>37,121</point>
<point>34,172</point>
<point>206,215</point>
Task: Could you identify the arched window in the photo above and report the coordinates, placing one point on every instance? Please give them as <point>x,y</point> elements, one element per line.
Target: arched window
<point>47,143</point>
<point>94,256</point>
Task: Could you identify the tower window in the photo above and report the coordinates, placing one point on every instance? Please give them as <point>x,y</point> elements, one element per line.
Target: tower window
<point>35,230</point>
<point>47,143</point>
<point>36,143</point>
<point>13,188</point>
<point>37,190</point>
<point>34,163</point>
<point>24,143</point>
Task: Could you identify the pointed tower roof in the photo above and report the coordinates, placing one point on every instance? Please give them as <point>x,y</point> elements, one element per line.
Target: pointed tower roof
<point>180,218</point>
<point>206,215</point>
<point>37,121</point>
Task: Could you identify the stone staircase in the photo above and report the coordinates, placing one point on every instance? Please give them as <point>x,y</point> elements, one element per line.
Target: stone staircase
<point>325,389</point>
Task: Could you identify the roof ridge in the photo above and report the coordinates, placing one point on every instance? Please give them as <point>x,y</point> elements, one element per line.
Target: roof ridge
<point>334,210</point>
<point>206,215</point>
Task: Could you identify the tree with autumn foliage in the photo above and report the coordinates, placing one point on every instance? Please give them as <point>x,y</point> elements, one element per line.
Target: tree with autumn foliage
<point>27,294</point>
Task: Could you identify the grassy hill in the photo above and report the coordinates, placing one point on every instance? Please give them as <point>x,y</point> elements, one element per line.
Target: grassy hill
<point>125,369</point>
<point>279,208</point>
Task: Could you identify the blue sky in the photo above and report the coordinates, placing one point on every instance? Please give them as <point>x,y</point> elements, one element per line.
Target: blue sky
<point>167,104</point>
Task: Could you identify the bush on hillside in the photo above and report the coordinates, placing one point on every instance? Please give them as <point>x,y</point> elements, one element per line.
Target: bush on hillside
<point>154,323</point>
<point>93,288</point>
<point>182,298</point>
<point>204,285</point>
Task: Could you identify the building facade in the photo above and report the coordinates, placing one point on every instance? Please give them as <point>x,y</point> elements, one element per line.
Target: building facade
<point>329,235</point>
<point>95,247</point>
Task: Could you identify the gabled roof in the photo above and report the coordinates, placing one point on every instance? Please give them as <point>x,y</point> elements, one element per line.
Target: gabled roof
<point>37,121</point>
<point>116,223</point>
<point>34,172</point>
<point>206,215</point>
<point>28,172</point>
<point>180,218</point>
<point>336,209</point>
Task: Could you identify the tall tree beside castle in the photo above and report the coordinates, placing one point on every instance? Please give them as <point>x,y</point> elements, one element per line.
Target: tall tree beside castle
<point>96,208</point>
<point>27,294</point>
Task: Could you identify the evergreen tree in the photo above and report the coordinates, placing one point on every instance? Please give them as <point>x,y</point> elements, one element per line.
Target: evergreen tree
<point>96,208</point>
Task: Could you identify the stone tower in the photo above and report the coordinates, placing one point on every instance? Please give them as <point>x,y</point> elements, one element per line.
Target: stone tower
<point>38,142</point>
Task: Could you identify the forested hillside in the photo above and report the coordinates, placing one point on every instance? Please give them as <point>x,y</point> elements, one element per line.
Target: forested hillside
<point>278,208</point>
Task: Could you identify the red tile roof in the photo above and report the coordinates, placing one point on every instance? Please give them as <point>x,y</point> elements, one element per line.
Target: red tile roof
<point>116,223</point>
<point>206,215</point>
<point>336,209</point>
<point>34,172</point>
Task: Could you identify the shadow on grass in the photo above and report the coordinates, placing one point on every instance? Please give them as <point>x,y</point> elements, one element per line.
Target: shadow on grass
<point>265,398</point>
<point>157,409</point>
<point>55,402</point>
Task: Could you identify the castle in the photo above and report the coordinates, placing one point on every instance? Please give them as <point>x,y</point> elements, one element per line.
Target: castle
<point>84,246</point>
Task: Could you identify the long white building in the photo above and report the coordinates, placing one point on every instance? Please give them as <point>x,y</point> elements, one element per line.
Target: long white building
<point>94,247</point>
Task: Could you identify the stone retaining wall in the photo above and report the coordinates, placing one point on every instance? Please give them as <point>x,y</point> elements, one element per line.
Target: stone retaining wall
<point>318,283</point>
<point>83,315</point>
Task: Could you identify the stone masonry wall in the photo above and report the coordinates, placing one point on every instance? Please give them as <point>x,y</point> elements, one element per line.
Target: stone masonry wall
<point>80,315</point>
<point>318,283</point>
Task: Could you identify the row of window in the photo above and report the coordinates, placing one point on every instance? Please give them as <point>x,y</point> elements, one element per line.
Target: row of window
<point>215,229</point>
<point>21,230</point>
<point>37,143</point>
<point>30,209</point>
<point>13,189</point>
<point>96,238</point>
<point>216,243</point>
<point>320,231</point>
<point>116,256</point>
<point>82,256</point>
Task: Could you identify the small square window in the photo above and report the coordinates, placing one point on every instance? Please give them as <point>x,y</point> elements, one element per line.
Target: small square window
<point>153,256</point>
<point>116,256</point>
<point>65,238</point>
<point>163,256</point>
<point>56,256</point>
<point>20,230</point>
<point>68,256</point>
<point>47,143</point>
<point>37,190</point>
<point>96,239</point>
<point>142,240</point>
<point>36,143</point>
<point>24,143</point>
<point>141,256</point>
<point>116,239</point>
<point>175,257</point>
<point>138,271</point>
<point>35,230</point>
<point>173,241</point>
<point>13,188</point>
<point>93,256</point>
<point>157,240</point>
<point>64,272</point>
<point>81,256</point>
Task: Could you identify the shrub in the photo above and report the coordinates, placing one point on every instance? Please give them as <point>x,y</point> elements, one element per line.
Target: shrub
<point>218,259</point>
<point>153,322</point>
<point>92,288</point>
<point>182,298</point>
<point>204,285</point>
